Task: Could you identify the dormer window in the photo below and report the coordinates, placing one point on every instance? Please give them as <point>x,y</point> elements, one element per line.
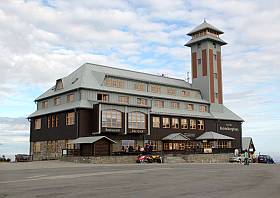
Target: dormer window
<point>59,84</point>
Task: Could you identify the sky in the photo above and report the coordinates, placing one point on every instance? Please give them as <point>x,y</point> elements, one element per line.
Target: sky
<point>41,41</point>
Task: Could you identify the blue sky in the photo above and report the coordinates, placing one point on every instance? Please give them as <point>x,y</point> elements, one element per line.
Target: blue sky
<point>41,41</point>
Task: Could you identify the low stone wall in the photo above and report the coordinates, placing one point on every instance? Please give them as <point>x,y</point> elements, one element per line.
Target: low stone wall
<point>207,158</point>
<point>102,159</point>
<point>192,158</point>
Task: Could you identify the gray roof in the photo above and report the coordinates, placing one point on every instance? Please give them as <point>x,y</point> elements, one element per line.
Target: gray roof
<point>91,76</point>
<point>225,114</point>
<point>210,135</point>
<point>176,136</point>
<point>205,25</point>
<point>89,140</point>
<point>246,141</point>
<point>205,37</point>
<point>77,104</point>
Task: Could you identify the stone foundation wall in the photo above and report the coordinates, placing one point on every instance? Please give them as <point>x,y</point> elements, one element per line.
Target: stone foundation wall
<point>48,149</point>
<point>197,158</point>
<point>207,158</point>
<point>102,159</point>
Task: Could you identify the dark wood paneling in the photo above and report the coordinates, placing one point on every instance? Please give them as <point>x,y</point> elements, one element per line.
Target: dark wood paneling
<point>102,147</point>
<point>95,118</point>
<point>209,125</point>
<point>86,149</point>
<point>86,122</point>
<point>61,132</point>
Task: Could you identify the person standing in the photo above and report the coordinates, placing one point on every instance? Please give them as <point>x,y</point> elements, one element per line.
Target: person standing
<point>246,156</point>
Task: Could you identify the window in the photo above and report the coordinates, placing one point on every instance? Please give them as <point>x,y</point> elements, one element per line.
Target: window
<point>111,119</point>
<point>154,144</point>
<point>136,120</point>
<point>44,104</point>
<point>49,121</point>
<point>56,121</point>
<point>52,121</point>
<point>175,105</point>
<point>167,146</point>
<point>192,124</point>
<point>216,95</point>
<point>171,91</point>
<point>38,123</point>
<point>156,122</point>
<point>214,45</point>
<point>175,123</point>
<point>128,143</point>
<point>70,118</point>
<point>215,57</point>
<point>114,83</point>
<point>70,98</point>
<point>159,103</point>
<point>223,144</point>
<point>215,75</point>
<point>206,145</point>
<point>200,124</point>
<point>142,101</point>
<point>59,84</point>
<point>199,61</point>
<point>197,95</point>
<point>198,45</point>
<point>202,108</point>
<point>139,86</point>
<point>185,93</point>
<point>56,101</point>
<point>190,144</point>
<point>165,123</point>
<point>103,97</point>
<point>124,99</point>
<point>155,88</point>
<point>184,123</point>
<point>36,147</point>
<point>190,107</point>
<point>182,146</point>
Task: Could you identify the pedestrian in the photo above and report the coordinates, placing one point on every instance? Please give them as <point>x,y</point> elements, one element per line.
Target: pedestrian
<point>246,158</point>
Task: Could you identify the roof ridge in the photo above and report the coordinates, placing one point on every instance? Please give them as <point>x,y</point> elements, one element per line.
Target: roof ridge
<point>136,71</point>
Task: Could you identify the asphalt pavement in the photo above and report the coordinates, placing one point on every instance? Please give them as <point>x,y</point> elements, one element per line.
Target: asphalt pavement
<point>66,179</point>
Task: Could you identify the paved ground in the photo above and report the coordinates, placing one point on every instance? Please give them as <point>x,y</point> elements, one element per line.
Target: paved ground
<point>66,179</point>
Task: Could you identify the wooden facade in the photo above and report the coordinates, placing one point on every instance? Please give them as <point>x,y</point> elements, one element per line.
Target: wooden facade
<point>87,123</point>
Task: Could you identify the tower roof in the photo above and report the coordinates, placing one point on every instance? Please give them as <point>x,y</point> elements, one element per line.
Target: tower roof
<point>203,26</point>
<point>205,37</point>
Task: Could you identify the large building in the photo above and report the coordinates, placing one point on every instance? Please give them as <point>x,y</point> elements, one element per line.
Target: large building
<point>133,109</point>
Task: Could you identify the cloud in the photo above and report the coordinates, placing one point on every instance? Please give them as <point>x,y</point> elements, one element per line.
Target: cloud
<point>14,130</point>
